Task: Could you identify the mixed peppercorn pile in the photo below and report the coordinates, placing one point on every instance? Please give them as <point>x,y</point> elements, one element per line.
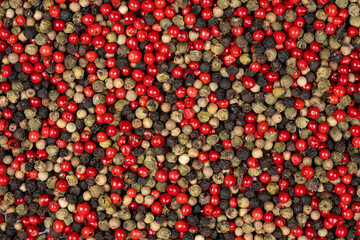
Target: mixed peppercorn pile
<point>179,119</point>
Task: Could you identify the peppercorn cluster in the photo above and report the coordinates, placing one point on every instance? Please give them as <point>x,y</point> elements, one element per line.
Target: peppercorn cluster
<point>179,119</point>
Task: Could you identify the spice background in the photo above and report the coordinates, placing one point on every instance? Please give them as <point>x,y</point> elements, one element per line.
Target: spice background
<point>179,119</point>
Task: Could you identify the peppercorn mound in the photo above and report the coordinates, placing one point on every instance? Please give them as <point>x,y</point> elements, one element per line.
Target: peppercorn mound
<point>179,119</point>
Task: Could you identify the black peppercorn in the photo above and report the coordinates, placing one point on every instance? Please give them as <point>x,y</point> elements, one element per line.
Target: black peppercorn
<point>193,220</point>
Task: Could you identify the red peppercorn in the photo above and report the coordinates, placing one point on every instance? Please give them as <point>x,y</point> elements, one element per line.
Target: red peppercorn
<point>62,185</point>
<point>117,183</point>
<point>87,231</point>
<point>340,115</point>
<point>58,226</point>
<point>230,180</point>
<point>83,208</point>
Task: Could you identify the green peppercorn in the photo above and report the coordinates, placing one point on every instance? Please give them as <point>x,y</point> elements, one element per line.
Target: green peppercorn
<point>325,205</point>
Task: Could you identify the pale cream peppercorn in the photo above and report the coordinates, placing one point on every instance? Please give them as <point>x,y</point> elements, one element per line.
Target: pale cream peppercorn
<point>75,7</point>
<point>193,152</point>
<point>114,223</point>
<point>19,175</point>
<point>269,227</point>
<point>100,179</point>
<point>315,215</point>
<point>148,200</point>
<point>322,232</point>
<point>145,191</point>
<point>208,172</point>
<point>41,144</point>
<point>139,198</point>
<point>61,123</point>
<point>127,200</point>
<point>256,88</point>
<point>121,40</point>
<point>285,230</point>
<point>218,12</point>
<point>199,237</point>
<point>268,206</point>
<point>131,95</point>
<point>155,226</point>
<point>43,176</point>
<point>71,207</point>
<point>63,203</point>
<point>147,122</point>
<point>140,224</point>
<point>18,226</point>
<point>87,196</point>
<point>145,144</point>
<point>301,81</point>
<point>257,153</point>
<point>212,108</point>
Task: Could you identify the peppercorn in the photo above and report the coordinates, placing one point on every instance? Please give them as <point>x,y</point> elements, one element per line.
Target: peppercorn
<point>197,129</point>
